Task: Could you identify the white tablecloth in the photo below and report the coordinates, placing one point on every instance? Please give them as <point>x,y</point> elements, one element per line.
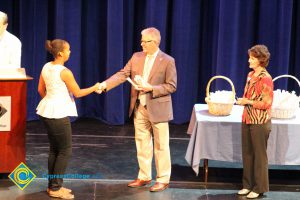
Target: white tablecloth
<point>219,138</point>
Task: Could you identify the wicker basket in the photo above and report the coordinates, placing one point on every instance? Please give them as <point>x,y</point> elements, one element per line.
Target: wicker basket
<point>284,113</point>
<point>219,108</point>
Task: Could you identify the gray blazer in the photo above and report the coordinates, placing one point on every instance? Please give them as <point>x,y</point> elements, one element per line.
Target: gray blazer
<point>163,78</point>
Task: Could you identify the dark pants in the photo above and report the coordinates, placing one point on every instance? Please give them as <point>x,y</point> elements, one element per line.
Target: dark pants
<point>255,159</point>
<point>60,138</point>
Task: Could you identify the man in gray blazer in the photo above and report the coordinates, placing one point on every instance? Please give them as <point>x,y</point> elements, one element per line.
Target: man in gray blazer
<point>151,104</point>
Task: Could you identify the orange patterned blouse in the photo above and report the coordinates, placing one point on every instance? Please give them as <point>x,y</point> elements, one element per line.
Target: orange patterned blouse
<point>258,89</point>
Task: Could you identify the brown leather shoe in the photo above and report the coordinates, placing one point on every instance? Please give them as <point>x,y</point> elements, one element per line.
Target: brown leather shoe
<point>157,187</point>
<point>138,183</point>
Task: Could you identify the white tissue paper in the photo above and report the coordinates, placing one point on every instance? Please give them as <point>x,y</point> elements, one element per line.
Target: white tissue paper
<point>221,96</point>
<point>285,100</point>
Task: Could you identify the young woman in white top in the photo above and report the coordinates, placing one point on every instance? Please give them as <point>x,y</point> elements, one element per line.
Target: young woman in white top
<point>57,86</point>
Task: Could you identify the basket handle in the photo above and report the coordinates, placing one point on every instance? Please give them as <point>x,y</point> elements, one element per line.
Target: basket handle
<point>222,77</point>
<point>287,76</point>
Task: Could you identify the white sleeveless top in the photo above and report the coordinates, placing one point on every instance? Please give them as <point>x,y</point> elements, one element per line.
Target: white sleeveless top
<point>58,102</point>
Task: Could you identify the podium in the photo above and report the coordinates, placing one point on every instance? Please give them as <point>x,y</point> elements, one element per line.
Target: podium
<point>12,143</point>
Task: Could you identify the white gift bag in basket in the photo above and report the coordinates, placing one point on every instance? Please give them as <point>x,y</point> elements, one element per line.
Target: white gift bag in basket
<point>218,106</point>
<point>285,103</point>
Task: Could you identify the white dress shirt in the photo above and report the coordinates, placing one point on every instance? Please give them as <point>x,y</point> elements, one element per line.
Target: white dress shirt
<point>10,51</point>
<point>149,61</point>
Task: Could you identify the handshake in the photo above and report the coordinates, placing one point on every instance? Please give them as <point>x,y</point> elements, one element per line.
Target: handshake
<point>139,84</point>
<point>100,87</point>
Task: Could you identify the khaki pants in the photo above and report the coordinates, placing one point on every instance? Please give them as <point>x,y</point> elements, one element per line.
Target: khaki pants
<point>255,159</point>
<point>144,145</point>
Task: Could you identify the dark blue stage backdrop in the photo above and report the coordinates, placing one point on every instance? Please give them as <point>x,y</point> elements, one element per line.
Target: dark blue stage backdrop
<point>206,38</point>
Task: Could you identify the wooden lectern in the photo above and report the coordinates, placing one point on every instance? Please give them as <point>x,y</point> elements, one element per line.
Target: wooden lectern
<point>12,143</point>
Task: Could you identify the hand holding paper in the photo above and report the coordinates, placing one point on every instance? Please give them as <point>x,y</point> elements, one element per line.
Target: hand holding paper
<point>146,87</point>
<point>132,83</point>
<point>139,80</point>
<point>143,84</point>
<point>140,84</point>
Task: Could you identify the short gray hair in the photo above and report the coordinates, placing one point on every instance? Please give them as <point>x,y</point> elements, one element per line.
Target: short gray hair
<point>153,32</point>
<point>3,18</point>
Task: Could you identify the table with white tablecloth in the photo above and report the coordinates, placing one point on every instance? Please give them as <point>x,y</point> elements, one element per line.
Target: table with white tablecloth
<point>219,138</point>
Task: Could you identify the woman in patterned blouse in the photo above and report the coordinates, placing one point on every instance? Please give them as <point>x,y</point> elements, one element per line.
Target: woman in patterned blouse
<point>256,123</point>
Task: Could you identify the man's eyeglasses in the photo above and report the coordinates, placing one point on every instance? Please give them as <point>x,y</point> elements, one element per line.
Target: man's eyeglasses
<point>146,41</point>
